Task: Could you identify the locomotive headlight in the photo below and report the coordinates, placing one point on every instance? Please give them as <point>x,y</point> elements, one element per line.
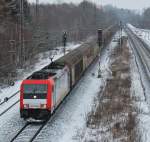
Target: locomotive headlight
<point>26,105</point>
<point>43,105</point>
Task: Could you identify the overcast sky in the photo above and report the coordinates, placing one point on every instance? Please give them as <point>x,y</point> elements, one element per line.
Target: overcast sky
<point>130,4</point>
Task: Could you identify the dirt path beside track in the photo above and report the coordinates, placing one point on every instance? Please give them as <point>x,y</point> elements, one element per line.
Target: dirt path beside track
<point>114,118</point>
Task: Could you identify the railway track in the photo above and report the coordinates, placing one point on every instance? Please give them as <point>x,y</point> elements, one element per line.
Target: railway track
<point>29,132</point>
<point>142,50</point>
<point>147,48</point>
<point>11,105</point>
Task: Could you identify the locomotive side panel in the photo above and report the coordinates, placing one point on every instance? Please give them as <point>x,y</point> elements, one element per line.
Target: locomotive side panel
<point>61,88</point>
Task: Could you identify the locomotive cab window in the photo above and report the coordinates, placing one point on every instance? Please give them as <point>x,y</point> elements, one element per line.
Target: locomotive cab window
<point>35,91</point>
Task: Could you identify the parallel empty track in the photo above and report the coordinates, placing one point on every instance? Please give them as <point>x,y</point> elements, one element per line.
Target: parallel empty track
<point>9,106</point>
<point>142,50</point>
<point>28,132</point>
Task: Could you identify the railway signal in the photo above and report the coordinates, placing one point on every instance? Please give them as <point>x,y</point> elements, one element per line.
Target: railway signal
<point>100,37</point>
<point>100,44</point>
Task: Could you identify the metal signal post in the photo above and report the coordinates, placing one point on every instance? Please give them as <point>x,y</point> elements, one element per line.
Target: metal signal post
<point>100,44</point>
<point>100,37</point>
<point>120,24</point>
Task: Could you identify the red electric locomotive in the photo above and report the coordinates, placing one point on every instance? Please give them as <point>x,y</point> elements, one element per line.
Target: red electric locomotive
<point>43,91</point>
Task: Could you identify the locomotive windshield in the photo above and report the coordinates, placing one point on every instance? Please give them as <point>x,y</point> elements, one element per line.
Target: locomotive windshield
<point>35,91</point>
<point>35,88</point>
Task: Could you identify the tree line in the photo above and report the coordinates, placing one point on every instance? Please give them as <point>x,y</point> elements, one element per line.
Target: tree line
<point>42,28</point>
<point>145,19</point>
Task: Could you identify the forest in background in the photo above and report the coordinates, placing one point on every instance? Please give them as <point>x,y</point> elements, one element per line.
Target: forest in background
<point>138,19</point>
<point>145,19</point>
<point>27,31</point>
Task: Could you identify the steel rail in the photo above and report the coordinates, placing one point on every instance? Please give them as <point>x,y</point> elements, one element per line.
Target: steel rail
<point>21,130</point>
<point>14,94</point>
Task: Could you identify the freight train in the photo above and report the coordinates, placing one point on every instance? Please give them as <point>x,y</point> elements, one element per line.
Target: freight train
<point>43,91</point>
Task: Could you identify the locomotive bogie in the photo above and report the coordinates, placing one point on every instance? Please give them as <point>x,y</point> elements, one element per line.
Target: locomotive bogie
<point>39,114</point>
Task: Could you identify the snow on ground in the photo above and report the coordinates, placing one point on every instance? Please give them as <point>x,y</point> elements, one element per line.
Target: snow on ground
<point>144,81</point>
<point>140,91</point>
<point>43,60</point>
<point>10,124</point>
<point>144,34</point>
<point>96,133</point>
